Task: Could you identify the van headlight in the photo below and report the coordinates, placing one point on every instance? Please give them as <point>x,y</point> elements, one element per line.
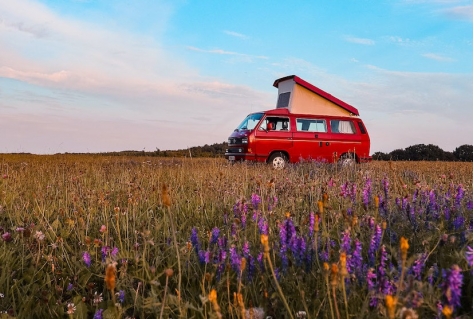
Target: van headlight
<point>245,140</point>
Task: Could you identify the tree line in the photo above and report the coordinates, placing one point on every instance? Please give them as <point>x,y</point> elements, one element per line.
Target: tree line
<point>422,152</point>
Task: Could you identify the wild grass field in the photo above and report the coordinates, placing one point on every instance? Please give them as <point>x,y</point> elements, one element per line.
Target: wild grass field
<point>129,237</point>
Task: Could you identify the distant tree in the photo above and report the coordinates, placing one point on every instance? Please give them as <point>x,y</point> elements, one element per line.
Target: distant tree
<point>380,156</point>
<point>463,153</point>
<point>398,155</point>
<point>430,152</point>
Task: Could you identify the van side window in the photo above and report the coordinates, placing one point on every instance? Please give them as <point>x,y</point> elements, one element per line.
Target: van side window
<point>279,123</point>
<point>283,100</point>
<point>311,125</point>
<point>341,126</point>
<point>362,128</point>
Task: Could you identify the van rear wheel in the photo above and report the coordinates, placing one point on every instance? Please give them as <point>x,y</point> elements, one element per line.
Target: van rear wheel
<point>278,160</point>
<point>347,160</point>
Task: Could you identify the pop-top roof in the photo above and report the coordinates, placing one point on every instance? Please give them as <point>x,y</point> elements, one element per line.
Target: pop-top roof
<point>318,91</point>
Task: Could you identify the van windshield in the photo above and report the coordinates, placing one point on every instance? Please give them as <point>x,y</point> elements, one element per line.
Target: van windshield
<point>250,122</point>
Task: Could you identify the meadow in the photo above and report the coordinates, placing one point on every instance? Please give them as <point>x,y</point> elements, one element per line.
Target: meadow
<point>133,237</point>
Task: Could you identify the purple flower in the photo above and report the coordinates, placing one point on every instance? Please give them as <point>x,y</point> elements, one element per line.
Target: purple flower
<point>121,296</point>
<point>417,267</point>
<point>202,256</point>
<point>384,283</point>
<point>459,196</point>
<point>86,257</point>
<point>98,314</point>
<point>235,259</point>
<point>114,252</point>
<point>214,235</point>
<point>451,286</point>
<point>346,241</point>
<point>311,224</point>
<point>246,249</point>
<point>367,192</point>
<point>104,250</point>
<point>7,237</point>
<point>469,256</point>
<point>262,226</point>
<point>70,287</point>
<point>195,239</point>
<point>354,264</point>
<point>374,244</point>
<point>256,200</point>
<point>207,256</point>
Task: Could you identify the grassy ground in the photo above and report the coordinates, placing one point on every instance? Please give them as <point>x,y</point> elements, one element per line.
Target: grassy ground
<point>118,237</point>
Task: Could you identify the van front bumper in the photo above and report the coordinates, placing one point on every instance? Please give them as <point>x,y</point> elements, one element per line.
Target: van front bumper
<point>240,157</point>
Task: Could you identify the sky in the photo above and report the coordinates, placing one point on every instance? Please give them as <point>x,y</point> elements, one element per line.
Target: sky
<point>100,76</point>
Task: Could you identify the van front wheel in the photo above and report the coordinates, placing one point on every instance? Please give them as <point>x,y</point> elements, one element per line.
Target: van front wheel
<point>278,160</point>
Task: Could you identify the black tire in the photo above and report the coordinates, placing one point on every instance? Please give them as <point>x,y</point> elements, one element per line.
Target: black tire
<point>278,160</point>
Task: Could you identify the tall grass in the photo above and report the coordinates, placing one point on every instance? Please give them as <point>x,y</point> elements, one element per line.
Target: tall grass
<point>86,236</point>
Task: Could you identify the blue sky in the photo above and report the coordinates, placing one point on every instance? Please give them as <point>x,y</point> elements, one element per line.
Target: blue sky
<point>92,76</point>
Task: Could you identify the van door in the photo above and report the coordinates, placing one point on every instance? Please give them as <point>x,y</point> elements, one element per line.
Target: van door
<point>273,134</point>
<point>310,139</point>
<point>344,137</point>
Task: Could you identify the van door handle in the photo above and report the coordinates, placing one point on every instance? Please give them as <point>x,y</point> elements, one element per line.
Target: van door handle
<point>316,135</point>
<point>289,138</point>
<point>320,144</point>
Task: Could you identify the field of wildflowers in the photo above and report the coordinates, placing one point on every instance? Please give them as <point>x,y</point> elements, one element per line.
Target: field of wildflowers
<point>98,237</point>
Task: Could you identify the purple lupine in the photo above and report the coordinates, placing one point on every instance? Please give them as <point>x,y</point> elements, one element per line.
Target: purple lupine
<point>202,256</point>
<point>246,249</point>
<point>299,250</point>
<point>374,244</point>
<point>104,251</point>
<point>221,261</point>
<point>222,243</point>
<point>114,252</point>
<point>346,241</point>
<point>243,219</point>
<point>458,222</point>
<point>262,226</point>
<point>214,235</point>
<point>417,267</point>
<point>372,285</point>
<point>207,257</point>
<point>469,255</point>
<point>384,283</point>
<point>86,257</point>
<point>98,314</point>
<point>261,262</point>
<point>256,200</point>
<point>70,287</point>
<point>195,239</point>
<point>404,203</point>
<point>311,225</point>
<point>235,259</point>
<point>355,260</point>
<point>451,286</point>
<point>459,196</point>
<point>367,192</point>
<point>121,296</point>
<point>287,232</point>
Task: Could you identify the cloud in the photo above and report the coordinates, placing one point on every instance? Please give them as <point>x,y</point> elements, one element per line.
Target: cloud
<point>236,34</point>
<point>437,57</point>
<point>360,40</point>
<point>458,12</point>
<point>223,52</point>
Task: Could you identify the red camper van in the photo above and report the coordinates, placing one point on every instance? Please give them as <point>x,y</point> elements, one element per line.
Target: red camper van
<point>307,124</point>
